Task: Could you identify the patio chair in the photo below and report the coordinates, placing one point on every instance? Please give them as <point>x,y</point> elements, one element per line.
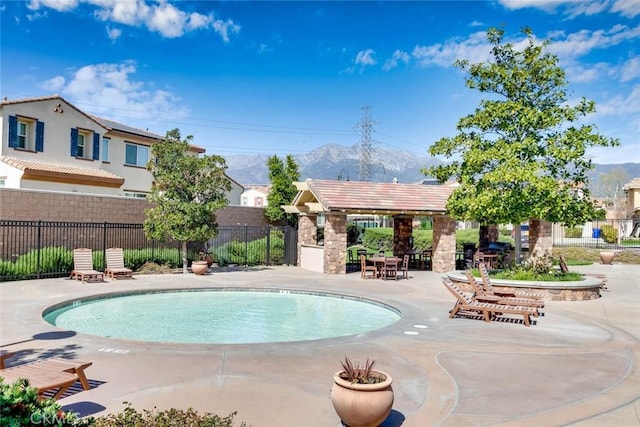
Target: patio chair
<point>352,262</point>
<point>367,271</point>
<point>404,268</point>
<point>83,266</point>
<point>484,296</point>
<point>390,268</point>
<point>49,374</point>
<point>115,265</point>
<point>488,310</point>
<point>488,288</point>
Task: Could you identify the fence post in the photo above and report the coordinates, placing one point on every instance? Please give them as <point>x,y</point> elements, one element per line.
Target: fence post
<point>39,249</point>
<point>268,248</point>
<point>246,245</point>
<point>104,245</point>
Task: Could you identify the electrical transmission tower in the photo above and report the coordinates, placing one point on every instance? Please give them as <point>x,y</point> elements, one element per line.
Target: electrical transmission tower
<point>364,128</point>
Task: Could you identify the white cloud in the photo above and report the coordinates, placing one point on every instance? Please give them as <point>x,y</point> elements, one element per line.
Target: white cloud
<point>108,90</point>
<point>630,70</point>
<point>546,5</point>
<point>584,41</point>
<point>365,57</point>
<point>53,85</point>
<point>162,16</point>
<point>113,33</point>
<point>59,5</point>
<point>628,8</point>
<point>397,57</point>
<point>475,48</point>
<point>574,8</point>
<point>225,27</point>
<point>619,104</point>
<point>476,24</point>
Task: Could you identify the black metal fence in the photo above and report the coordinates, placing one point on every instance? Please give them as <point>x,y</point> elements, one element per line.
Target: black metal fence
<point>42,249</point>
<point>609,234</point>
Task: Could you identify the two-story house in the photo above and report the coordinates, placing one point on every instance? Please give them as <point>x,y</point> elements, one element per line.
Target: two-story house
<point>255,196</point>
<point>49,144</point>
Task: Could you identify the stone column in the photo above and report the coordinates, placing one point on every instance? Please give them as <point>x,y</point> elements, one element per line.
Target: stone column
<point>307,231</point>
<point>335,243</point>
<point>540,237</point>
<point>402,231</point>
<point>444,244</point>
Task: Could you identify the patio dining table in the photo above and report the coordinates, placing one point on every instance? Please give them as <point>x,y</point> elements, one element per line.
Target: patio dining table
<point>379,261</point>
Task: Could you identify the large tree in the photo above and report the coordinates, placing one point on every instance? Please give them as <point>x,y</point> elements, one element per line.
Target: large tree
<point>187,191</point>
<point>610,186</point>
<point>521,153</point>
<point>282,175</point>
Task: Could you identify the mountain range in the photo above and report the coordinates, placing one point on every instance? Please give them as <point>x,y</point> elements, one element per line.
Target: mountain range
<point>333,161</point>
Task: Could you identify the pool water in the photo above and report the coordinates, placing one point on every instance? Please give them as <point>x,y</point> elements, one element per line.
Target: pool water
<point>222,316</point>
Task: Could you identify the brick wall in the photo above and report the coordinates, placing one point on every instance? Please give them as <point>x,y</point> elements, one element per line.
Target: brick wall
<point>31,205</point>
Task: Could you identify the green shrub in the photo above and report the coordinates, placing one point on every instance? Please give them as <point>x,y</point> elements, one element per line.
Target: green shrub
<point>573,232</point>
<point>608,233</point>
<point>21,406</point>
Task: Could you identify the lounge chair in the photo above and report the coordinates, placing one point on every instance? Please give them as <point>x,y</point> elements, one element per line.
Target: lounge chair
<point>49,374</point>
<point>488,288</point>
<point>488,310</point>
<point>484,296</point>
<point>83,266</point>
<point>365,269</point>
<point>115,265</point>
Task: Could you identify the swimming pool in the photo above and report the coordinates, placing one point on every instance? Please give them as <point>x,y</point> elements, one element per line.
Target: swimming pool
<point>222,316</point>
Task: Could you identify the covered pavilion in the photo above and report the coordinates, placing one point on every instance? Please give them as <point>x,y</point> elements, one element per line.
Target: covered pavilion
<point>402,202</point>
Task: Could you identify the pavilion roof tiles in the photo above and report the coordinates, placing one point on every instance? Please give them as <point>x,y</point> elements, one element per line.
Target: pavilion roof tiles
<point>373,197</point>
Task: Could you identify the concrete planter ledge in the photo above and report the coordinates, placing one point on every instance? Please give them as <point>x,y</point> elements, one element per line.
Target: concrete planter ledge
<point>586,289</point>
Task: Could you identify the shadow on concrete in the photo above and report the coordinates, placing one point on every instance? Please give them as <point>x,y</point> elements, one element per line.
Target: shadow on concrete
<point>394,419</point>
<point>84,408</point>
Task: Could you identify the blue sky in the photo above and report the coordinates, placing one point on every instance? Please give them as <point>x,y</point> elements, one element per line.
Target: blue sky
<point>288,77</point>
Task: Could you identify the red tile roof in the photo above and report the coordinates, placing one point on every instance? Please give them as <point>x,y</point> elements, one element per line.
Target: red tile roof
<point>62,173</point>
<point>373,197</point>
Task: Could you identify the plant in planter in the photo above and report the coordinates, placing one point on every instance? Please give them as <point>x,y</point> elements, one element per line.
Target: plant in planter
<point>199,267</point>
<point>361,395</point>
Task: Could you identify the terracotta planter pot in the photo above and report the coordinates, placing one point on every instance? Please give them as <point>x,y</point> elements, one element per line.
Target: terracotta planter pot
<point>607,256</point>
<point>362,405</point>
<point>199,267</point>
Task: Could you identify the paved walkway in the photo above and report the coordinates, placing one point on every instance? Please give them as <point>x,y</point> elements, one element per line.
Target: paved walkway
<point>578,365</point>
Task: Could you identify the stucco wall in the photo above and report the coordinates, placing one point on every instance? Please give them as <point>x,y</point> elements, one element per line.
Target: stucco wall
<point>33,205</point>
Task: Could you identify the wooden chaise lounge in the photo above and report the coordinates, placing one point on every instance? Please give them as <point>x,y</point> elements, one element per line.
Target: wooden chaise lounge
<point>48,374</point>
<point>484,296</point>
<point>486,309</point>
<point>115,265</point>
<point>83,266</point>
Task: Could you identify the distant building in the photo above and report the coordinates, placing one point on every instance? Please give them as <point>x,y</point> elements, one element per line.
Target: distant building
<point>50,144</point>
<point>254,196</point>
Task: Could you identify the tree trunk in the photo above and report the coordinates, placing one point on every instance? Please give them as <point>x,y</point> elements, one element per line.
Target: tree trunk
<point>185,262</point>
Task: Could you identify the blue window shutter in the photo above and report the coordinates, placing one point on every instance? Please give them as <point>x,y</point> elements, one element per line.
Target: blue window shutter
<point>39,136</point>
<point>96,146</point>
<point>13,131</point>
<point>74,142</point>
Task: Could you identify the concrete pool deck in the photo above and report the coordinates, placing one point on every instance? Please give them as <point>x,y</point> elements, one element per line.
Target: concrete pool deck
<point>577,365</point>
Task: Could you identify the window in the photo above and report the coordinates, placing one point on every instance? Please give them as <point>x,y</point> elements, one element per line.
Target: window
<point>245,201</point>
<point>23,134</point>
<point>80,151</point>
<point>85,144</point>
<point>258,202</point>
<point>3,181</point>
<point>26,133</point>
<point>136,155</point>
<point>105,149</point>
